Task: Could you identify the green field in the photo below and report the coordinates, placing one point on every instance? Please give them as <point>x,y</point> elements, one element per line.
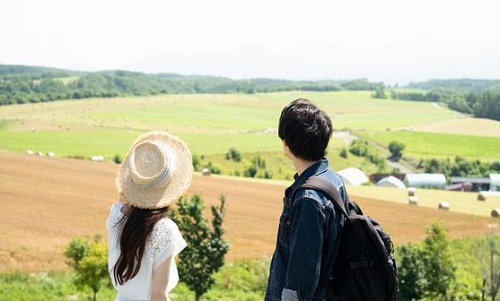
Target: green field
<point>213,123</point>
<point>436,145</point>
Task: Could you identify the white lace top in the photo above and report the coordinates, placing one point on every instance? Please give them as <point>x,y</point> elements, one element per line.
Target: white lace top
<point>165,241</point>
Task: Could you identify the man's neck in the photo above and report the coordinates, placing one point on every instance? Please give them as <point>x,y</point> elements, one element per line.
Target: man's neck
<point>301,165</point>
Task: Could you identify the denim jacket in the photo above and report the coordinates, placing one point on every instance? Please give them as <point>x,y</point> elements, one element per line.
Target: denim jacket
<point>308,240</point>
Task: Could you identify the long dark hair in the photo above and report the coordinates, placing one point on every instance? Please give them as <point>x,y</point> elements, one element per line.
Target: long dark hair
<point>138,224</point>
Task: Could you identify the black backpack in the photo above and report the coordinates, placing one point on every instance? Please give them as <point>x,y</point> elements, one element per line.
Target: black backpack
<point>364,269</point>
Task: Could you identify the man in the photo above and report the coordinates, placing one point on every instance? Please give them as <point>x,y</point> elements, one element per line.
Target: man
<point>310,226</point>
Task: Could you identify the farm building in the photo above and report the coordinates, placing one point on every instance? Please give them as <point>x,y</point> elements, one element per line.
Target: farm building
<point>425,180</point>
<point>464,186</point>
<point>391,181</point>
<point>376,177</point>
<point>495,182</point>
<point>475,184</point>
<point>353,176</point>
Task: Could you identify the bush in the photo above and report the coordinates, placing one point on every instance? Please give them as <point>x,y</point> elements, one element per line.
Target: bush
<point>89,259</point>
<point>396,148</point>
<point>233,154</point>
<point>251,171</point>
<point>213,169</point>
<point>117,159</point>
<point>196,162</point>
<point>426,270</point>
<point>343,153</point>
<point>206,246</point>
<point>258,162</point>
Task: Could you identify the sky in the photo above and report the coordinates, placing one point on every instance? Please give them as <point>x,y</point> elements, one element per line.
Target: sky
<point>384,40</point>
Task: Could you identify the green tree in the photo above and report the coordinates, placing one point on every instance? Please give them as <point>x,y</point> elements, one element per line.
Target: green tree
<point>343,153</point>
<point>380,93</point>
<point>206,248</point>
<point>196,162</point>
<point>410,272</point>
<point>117,159</point>
<point>233,154</point>
<point>89,259</point>
<point>489,258</point>
<point>396,148</point>
<point>251,171</point>
<point>439,268</point>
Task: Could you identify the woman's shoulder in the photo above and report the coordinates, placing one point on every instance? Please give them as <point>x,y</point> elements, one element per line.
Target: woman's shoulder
<point>166,224</point>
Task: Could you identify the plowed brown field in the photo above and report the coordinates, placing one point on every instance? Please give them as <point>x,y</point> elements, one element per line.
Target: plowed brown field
<point>46,201</point>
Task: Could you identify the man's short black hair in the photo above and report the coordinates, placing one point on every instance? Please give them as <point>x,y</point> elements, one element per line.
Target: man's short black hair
<point>306,129</point>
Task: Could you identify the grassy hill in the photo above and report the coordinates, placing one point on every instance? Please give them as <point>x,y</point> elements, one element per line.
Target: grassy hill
<point>213,123</point>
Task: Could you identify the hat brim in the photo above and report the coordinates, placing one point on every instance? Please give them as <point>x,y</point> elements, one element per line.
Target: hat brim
<point>163,195</point>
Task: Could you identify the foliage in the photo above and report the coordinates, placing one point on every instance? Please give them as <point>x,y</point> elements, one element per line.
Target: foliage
<point>396,148</point>
<point>380,94</point>
<point>427,270</point>
<point>213,169</point>
<point>196,162</point>
<point>23,84</point>
<point>343,153</point>
<point>410,272</point>
<point>251,171</point>
<point>439,267</point>
<point>117,159</point>
<point>459,167</point>
<point>89,259</point>
<point>478,97</point>
<point>206,248</point>
<point>489,258</point>
<point>233,154</point>
<point>362,148</point>
<point>238,280</point>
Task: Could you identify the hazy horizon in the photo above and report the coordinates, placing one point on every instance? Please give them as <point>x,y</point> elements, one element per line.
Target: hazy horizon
<point>391,41</point>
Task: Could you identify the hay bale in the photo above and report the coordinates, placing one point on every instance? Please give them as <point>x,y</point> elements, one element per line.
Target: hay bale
<point>412,191</point>
<point>481,196</point>
<point>495,213</point>
<point>30,152</point>
<point>206,172</point>
<point>413,200</point>
<point>444,206</point>
<point>50,154</point>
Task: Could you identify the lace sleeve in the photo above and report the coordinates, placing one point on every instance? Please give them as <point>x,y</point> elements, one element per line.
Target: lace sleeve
<point>165,241</point>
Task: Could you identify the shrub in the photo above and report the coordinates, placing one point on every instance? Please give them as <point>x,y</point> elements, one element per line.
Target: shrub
<point>343,153</point>
<point>206,246</point>
<point>117,159</point>
<point>196,162</point>
<point>396,148</point>
<point>233,154</point>
<point>251,171</point>
<point>89,259</point>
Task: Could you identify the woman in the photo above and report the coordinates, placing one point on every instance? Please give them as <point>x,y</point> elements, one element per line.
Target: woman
<point>142,240</point>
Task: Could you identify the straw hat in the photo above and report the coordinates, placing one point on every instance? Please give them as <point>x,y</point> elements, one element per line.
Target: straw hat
<point>156,171</point>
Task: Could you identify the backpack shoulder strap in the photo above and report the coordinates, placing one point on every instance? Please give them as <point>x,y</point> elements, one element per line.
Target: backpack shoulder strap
<point>328,189</point>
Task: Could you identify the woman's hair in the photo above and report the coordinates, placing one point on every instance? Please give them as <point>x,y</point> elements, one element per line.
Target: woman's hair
<point>138,224</point>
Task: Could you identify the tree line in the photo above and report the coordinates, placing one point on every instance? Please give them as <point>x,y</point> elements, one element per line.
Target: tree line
<point>480,98</point>
<point>24,84</point>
